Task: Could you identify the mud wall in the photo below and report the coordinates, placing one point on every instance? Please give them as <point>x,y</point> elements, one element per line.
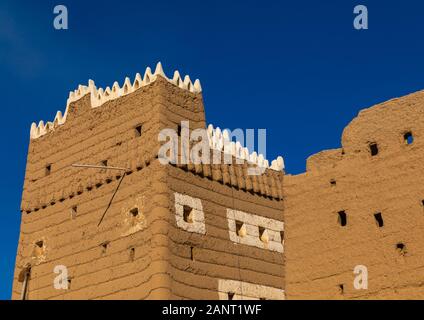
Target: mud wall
<point>139,251</point>
<point>375,172</point>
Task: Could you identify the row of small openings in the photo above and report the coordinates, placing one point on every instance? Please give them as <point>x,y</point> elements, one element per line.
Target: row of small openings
<point>241,232</point>
<point>105,246</point>
<point>408,138</point>
<point>342,219</point>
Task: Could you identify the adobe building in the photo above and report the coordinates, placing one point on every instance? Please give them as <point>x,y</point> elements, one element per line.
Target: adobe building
<point>141,229</point>
<point>126,226</point>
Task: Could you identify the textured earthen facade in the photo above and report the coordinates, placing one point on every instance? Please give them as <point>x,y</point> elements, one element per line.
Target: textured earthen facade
<point>145,247</point>
<point>361,204</point>
<point>213,231</point>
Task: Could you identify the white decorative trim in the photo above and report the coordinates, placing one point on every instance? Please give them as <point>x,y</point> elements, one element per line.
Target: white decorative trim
<point>248,291</point>
<point>271,238</point>
<point>197,215</point>
<point>220,140</point>
<point>99,95</point>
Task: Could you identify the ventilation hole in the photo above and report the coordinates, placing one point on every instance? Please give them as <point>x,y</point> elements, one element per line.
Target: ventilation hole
<point>179,130</point>
<point>69,283</point>
<point>48,169</point>
<point>134,212</point>
<point>39,248</point>
<point>132,254</point>
<point>230,295</point>
<point>138,130</point>
<point>104,246</point>
<point>341,288</point>
<point>192,253</point>
<point>240,230</point>
<point>401,248</point>
<point>342,218</point>
<point>282,236</point>
<point>373,149</point>
<point>262,235</point>
<point>409,138</point>
<point>333,182</point>
<point>188,214</point>
<point>379,219</point>
<point>74,210</point>
<point>104,163</point>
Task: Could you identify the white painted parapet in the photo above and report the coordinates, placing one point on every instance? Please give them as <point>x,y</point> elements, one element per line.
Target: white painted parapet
<point>220,140</point>
<point>99,96</point>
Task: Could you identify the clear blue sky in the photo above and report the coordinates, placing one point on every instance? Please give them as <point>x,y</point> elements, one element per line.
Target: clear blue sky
<point>296,68</point>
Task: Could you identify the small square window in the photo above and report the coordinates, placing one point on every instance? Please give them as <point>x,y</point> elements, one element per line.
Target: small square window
<point>342,218</point>
<point>401,247</point>
<point>408,138</point>
<point>188,214</point>
<point>48,169</point>
<point>379,219</point>
<point>74,212</point>
<point>138,129</point>
<point>134,212</point>
<point>374,149</point>
<point>240,229</point>
<point>263,236</point>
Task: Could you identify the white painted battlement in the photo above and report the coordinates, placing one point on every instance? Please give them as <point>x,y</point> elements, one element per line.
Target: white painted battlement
<point>99,95</point>
<point>220,140</point>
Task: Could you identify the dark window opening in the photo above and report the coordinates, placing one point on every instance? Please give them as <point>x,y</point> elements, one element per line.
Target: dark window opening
<point>192,253</point>
<point>105,246</point>
<point>408,137</point>
<point>230,295</point>
<point>179,130</point>
<point>134,212</point>
<point>74,212</point>
<point>69,283</point>
<point>138,130</point>
<point>104,163</point>
<point>373,149</point>
<point>39,243</point>
<point>261,234</point>
<point>342,218</point>
<point>132,253</point>
<point>282,236</point>
<point>333,182</point>
<point>422,203</point>
<point>379,219</point>
<point>262,298</point>
<point>188,214</point>
<point>401,248</point>
<point>341,288</point>
<point>239,229</point>
<point>48,169</point>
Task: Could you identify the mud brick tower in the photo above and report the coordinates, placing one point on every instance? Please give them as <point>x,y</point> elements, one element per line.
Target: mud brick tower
<point>148,231</point>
